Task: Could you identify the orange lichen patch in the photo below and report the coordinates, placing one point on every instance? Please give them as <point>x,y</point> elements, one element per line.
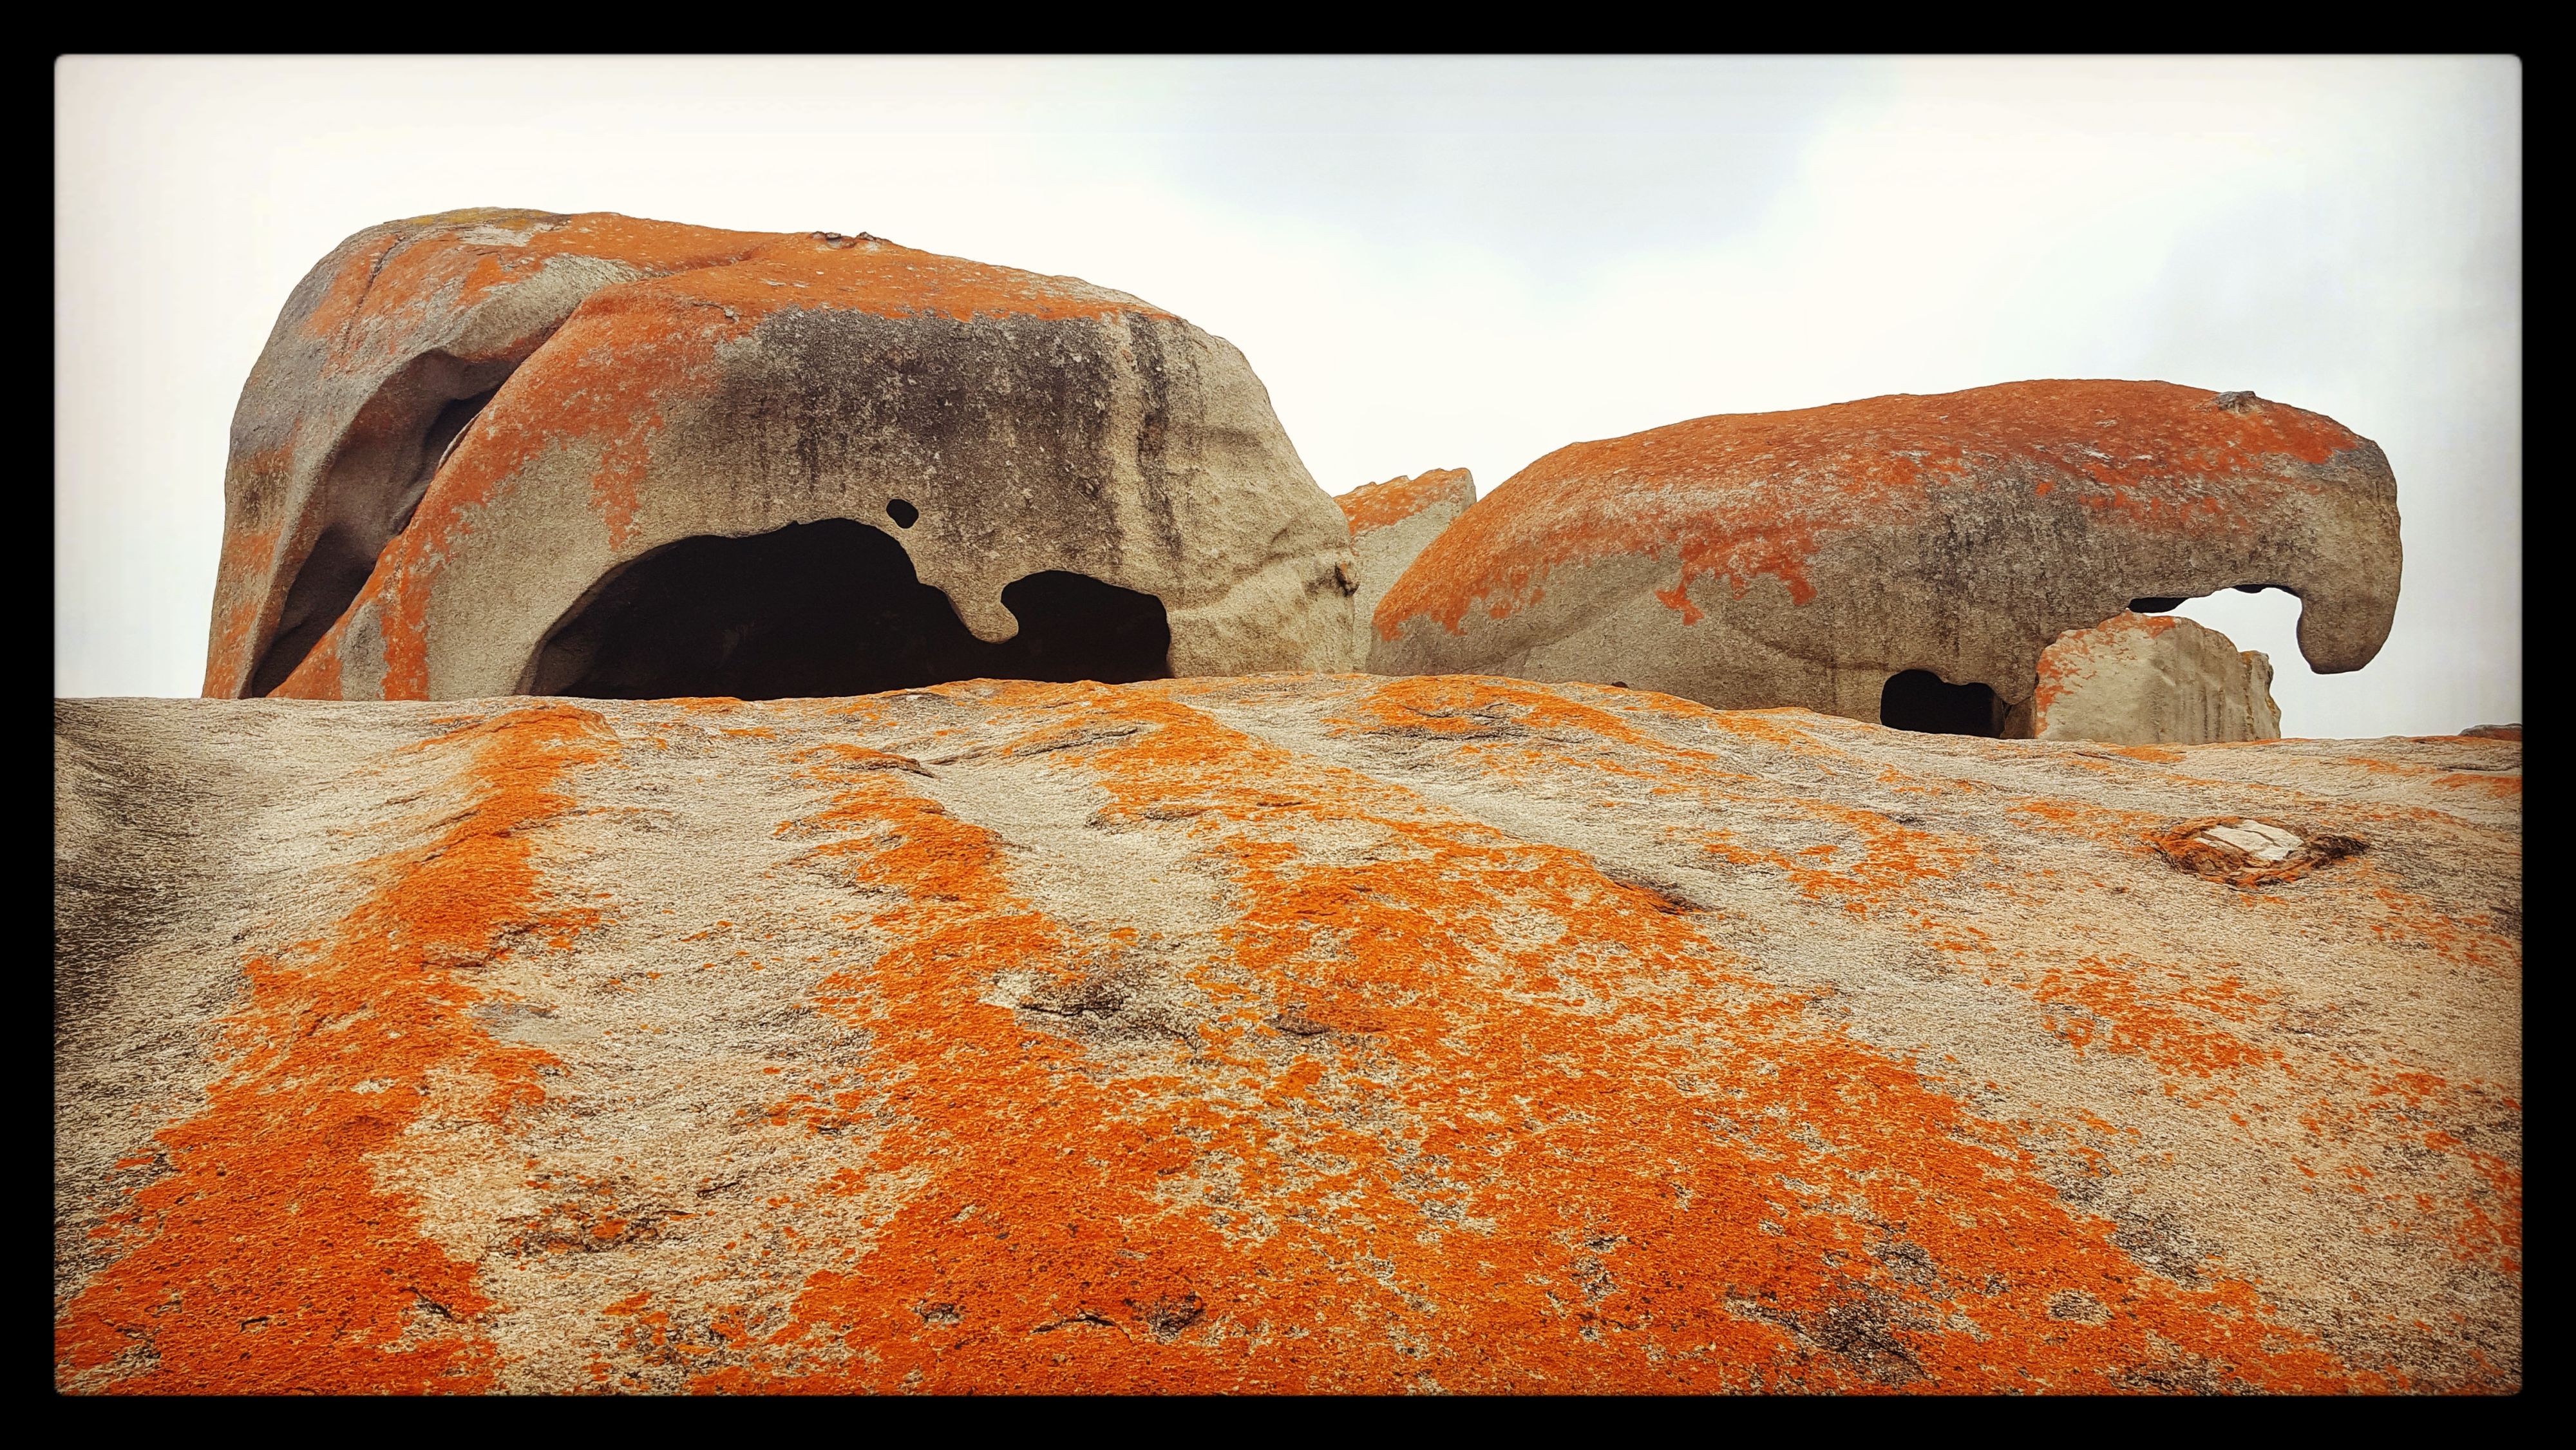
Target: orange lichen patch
<point>247,554</point>
<point>269,1259</point>
<point>346,295</point>
<point>1739,497</point>
<point>1376,505</point>
<point>2164,1015</point>
<point>1491,706</point>
<point>2353,1105</point>
<point>2475,941</point>
<point>381,297</point>
<point>2152,754</point>
<point>2204,1030</point>
<point>1457,1115</point>
<point>1516,730</point>
<point>2487,1228</point>
<point>867,274</point>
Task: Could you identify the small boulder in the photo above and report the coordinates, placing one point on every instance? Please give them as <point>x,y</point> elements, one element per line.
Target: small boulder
<point>1390,524</point>
<point>2153,679</point>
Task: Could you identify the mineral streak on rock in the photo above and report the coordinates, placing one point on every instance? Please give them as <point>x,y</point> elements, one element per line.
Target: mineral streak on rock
<point>1806,558</point>
<point>467,428</point>
<point>2153,680</point>
<point>1391,522</point>
<point>1286,1033</point>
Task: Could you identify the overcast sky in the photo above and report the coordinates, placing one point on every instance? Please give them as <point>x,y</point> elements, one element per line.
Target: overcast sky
<point>1431,263</point>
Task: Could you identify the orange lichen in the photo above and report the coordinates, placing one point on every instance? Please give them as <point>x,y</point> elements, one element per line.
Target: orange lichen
<point>2110,1006</point>
<point>1364,1093</point>
<point>269,1259</point>
<point>1740,497</point>
<point>247,554</point>
<point>1376,505</point>
<point>383,296</point>
<point>1428,1131</point>
<point>1515,730</point>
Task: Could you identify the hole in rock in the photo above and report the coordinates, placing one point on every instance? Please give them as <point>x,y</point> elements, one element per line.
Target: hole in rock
<point>2168,603</point>
<point>1923,701</point>
<point>440,441</point>
<point>903,514</point>
<point>368,495</point>
<point>331,577</point>
<point>829,608</point>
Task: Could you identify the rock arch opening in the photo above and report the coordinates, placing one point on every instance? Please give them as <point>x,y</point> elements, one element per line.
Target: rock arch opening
<point>2168,603</point>
<point>331,576</point>
<point>374,483</point>
<point>829,608</point>
<point>1922,701</point>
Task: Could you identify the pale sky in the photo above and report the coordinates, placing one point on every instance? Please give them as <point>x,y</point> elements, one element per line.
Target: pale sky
<point>1430,263</point>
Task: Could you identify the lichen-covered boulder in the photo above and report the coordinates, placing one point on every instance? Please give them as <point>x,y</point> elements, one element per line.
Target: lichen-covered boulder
<point>1295,1033</point>
<point>2153,679</point>
<point>1817,557</point>
<point>1391,522</point>
<point>498,452</point>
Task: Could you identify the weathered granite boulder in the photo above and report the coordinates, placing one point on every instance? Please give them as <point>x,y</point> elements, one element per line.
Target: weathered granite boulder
<point>1390,523</point>
<point>500,452</point>
<point>2153,679</point>
<point>1901,558</point>
<point>1291,1033</point>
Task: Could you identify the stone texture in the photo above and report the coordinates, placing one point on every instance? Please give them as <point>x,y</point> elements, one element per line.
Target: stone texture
<point>1390,524</point>
<point>466,426</point>
<point>1281,1033</point>
<point>1804,558</point>
<point>2153,679</point>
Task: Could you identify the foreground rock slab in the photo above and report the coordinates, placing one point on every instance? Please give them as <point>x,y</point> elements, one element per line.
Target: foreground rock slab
<point>1278,1033</point>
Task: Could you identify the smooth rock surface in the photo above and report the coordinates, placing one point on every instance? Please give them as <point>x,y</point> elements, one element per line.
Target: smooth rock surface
<point>1281,1033</point>
<point>1390,524</point>
<point>468,431</point>
<point>1808,557</point>
<point>2153,679</point>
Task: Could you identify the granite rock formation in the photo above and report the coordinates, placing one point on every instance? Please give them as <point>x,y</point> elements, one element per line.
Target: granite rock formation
<point>1901,559</point>
<point>2153,679</point>
<point>501,452</point>
<point>1391,522</point>
<point>1290,1033</point>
